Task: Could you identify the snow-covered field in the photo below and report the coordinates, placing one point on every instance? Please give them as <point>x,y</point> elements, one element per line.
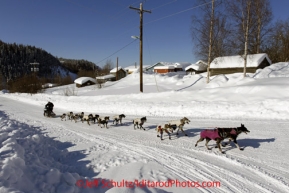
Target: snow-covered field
<point>40,154</point>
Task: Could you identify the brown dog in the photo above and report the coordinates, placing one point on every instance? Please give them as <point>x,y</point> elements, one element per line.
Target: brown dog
<point>163,128</point>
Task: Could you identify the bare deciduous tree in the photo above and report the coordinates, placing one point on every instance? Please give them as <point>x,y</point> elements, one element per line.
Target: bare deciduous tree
<point>26,84</point>
<point>211,39</point>
<point>278,43</point>
<point>86,73</point>
<point>100,82</point>
<point>251,20</point>
<point>69,91</point>
<point>210,31</point>
<point>107,67</point>
<point>262,18</point>
<point>241,13</point>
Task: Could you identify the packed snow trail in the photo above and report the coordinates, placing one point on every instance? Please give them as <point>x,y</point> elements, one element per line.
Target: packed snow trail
<point>111,152</point>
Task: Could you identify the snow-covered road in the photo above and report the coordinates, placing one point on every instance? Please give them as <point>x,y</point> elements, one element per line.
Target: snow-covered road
<point>122,153</point>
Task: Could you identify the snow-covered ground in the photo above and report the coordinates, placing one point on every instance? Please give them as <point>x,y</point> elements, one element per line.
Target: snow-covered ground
<point>40,154</point>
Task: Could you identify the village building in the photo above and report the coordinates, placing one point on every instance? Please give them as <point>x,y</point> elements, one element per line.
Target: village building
<point>49,85</point>
<point>235,64</point>
<point>181,66</point>
<point>131,69</point>
<point>151,67</point>
<point>173,67</point>
<point>164,69</point>
<point>115,74</point>
<point>84,81</point>
<point>197,68</point>
<point>119,73</point>
<point>105,78</point>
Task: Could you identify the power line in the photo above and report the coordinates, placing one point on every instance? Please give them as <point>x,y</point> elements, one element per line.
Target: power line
<point>165,16</point>
<point>178,13</point>
<point>118,16</point>
<point>70,1</point>
<point>164,4</point>
<point>117,51</point>
<point>115,17</point>
<point>144,24</point>
<point>124,9</point>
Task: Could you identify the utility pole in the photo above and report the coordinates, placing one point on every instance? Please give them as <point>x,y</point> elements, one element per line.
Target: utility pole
<point>246,35</point>
<point>116,76</point>
<point>140,44</point>
<point>34,67</point>
<point>211,40</point>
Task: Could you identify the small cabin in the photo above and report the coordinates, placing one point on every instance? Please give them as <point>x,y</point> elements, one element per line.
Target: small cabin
<point>235,64</point>
<point>84,81</point>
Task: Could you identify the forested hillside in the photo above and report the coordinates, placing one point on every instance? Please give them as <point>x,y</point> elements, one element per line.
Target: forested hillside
<point>16,61</point>
<point>78,65</point>
<point>20,62</point>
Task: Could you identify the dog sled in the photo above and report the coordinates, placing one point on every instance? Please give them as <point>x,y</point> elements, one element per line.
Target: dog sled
<point>48,110</point>
<point>48,113</point>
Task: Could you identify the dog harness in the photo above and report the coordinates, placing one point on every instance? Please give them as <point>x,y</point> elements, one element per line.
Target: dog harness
<point>214,134</point>
<point>211,134</point>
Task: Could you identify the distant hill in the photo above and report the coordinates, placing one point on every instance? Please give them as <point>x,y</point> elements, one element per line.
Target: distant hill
<point>16,59</point>
<point>76,65</point>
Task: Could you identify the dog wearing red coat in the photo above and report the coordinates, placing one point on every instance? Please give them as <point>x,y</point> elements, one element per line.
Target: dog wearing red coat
<point>219,134</point>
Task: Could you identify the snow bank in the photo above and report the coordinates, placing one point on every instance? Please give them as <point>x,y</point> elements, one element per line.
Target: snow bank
<point>33,162</point>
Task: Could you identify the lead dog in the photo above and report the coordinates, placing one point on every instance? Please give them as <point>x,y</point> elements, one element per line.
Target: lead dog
<point>219,134</point>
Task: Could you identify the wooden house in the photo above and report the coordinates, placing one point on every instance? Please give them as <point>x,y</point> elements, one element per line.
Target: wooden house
<point>115,74</point>
<point>119,73</point>
<point>152,67</point>
<point>181,66</point>
<point>84,81</point>
<point>235,64</point>
<point>103,79</point>
<point>171,67</point>
<point>197,68</point>
<point>131,69</point>
<point>164,69</point>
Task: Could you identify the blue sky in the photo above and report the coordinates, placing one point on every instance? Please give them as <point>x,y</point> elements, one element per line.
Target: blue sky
<point>101,30</point>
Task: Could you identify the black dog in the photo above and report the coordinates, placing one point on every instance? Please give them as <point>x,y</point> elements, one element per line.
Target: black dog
<point>103,121</point>
<point>219,134</point>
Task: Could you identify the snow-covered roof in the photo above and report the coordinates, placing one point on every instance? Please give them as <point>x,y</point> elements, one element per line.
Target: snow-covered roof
<point>182,64</point>
<point>167,65</point>
<point>160,64</point>
<point>114,70</point>
<point>131,68</point>
<point>106,76</point>
<point>82,80</point>
<point>164,67</point>
<point>201,62</point>
<point>238,61</point>
<point>46,85</point>
<point>198,66</point>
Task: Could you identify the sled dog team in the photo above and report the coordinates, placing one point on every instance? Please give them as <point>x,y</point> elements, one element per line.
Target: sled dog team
<point>217,134</point>
<point>102,121</point>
